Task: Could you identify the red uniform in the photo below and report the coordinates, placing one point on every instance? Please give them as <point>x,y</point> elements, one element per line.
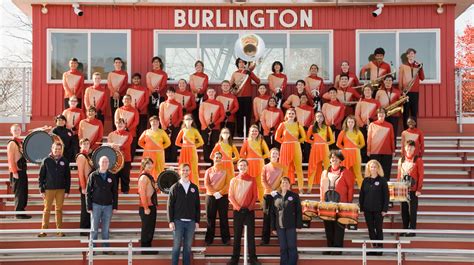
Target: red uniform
<point>170,112</point>
<point>230,103</point>
<point>211,111</point>
<point>246,87</point>
<point>186,99</point>
<point>305,115</point>
<point>412,168</point>
<point>95,96</point>
<point>259,104</point>
<point>366,109</point>
<point>131,117</point>
<point>408,72</point>
<point>117,81</point>
<point>73,84</point>
<point>157,80</point>
<point>277,81</point>
<point>140,98</point>
<point>91,129</point>
<point>343,181</point>
<point>333,112</point>
<point>198,82</point>
<point>418,137</point>
<point>243,192</point>
<point>124,139</point>
<point>380,138</point>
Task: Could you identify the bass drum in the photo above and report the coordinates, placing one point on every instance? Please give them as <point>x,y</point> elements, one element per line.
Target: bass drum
<point>166,179</point>
<point>116,158</point>
<point>37,145</point>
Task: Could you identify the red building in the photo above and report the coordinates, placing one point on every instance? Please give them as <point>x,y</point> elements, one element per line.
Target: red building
<point>297,33</point>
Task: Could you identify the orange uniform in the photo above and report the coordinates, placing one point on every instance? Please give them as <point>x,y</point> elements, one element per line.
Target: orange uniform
<point>140,98</point>
<point>96,96</point>
<point>350,143</point>
<point>319,155</point>
<point>157,80</point>
<point>230,155</point>
<point>154,144</point>
<point>189,140</point>
<point>73,84</point>
<point>93,130</point>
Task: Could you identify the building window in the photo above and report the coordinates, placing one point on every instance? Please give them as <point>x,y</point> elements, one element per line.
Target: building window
<point>95,50</point>
<point>295,50</point>
<point>396,42</point>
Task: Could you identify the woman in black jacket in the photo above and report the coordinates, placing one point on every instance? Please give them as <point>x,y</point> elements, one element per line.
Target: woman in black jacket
<point>287,217</point>
<point>373,200</point>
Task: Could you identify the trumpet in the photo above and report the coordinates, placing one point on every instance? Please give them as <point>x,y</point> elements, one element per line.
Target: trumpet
<point>396,106</point>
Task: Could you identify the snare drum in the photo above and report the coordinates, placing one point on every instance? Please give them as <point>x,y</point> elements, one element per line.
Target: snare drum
<point>347,213</point>
<point>116,158</point>
<point>327,211</point>
<point>399,191</point>
<point>37,145</point>
<point>310,208</point>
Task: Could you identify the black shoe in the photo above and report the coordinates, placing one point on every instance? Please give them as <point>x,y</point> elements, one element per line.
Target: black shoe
<point>371,253</point>
<point>207,243</point>
<point>149,252</point>
<point>23,216</point>
<point>379,253</point>
<point>410,235</point>
<point>263,243</point>
<point>336,253</point>
<point>327,253</point>
<point>255,262</point>
<point>84,234</point>
<point>403,234</point>
<point>233,262</point>
<point>226,243</point>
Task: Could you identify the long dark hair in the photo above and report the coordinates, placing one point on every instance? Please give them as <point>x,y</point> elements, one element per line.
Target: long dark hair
<point>316,127</point>
<point>229,140</point>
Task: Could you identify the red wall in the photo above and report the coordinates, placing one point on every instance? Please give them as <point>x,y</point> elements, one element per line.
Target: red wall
<point>437,101</point>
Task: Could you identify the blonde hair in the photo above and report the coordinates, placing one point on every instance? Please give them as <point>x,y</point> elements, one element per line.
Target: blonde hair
<point>379,168</point>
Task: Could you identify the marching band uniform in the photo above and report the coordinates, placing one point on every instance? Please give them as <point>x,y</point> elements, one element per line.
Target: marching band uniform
<point>353,80</point>
<point>216,180</point>
<point>154,144</point>
<point>333,112</point>
<point>211,112</point>
<point>156,82</point>
<point>260,103</point>
<point>117,81</point>
<point>305,116</point>
<point>230,155</point>
<point>277,80</point>
<point>171,115</point>
<point>244,97</point>
<point>124,139</point>
<point>291,135</point>
<point>345,95</point>
<point>319,155</point>
<point>198,82</point>
<point>187,100</point>
<point>255,151</point>
<point>91,129</point>
<point>84,168</point>
<point>148,201</point>
<point>314,86</point>
<point>387,96</point>
<point>95,96</point>
<point>140,99</point>
<point>376,69</point>
<point>380,145</point>
<point>17,164</point>
<point>418,137</point>
<point>231,106</point>
<point>189,140</point>
<point>131,117</point>
<point>292,101</point>
<point>73,84</point>
<point>407,73</point>
<point>271,119</point>
<point>350,143</point>
<point>365,111</point>
<point>73,117</point>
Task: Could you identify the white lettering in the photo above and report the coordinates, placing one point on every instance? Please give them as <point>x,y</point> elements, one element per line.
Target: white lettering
<point>257,22</point>
<point>195,23</point>
<point>179,18</point>
<point>231,18</point>
<point>272,13</point>
<point>219,23</point>
<point>241,18</point>
<point>207,16</point>
<point>294,18</point>
<point>306,18</point>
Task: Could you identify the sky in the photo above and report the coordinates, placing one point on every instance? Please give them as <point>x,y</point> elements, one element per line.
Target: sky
<point>10,45</point>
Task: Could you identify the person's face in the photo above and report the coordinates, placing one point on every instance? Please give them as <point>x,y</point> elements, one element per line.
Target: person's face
<point>16,131</point>
<point>127,101</point>
<point>262,90</point>
<point>373,169</point>
<point>277,68</point>
<point>225,134</point>
<point>300,87</point>
<point>335,161</point>
<point>254,132</point>
<point>85,146</point>
<point>350,123</point>
<point>120,125</point>
<point>242,166</point>
<point>118,64</point>
<point>103,163</point>
<point>303,100</point>
<point>188,121</point>
<point>225,87</point>
<point>274,155</point>
<point>211,93</point>
<point>217,158</point>
<point>136,80</point>
<point>411,56</point>
<point>319,117</point>
<point>182,85</point>
<point>97,79</point>
<point>154,124</point>
<point>411,123</point>
<point>73,102</point>
<point>60,122</point>
<point>91,114</point>
<point>291,115</point>
<point>367,92</point>
<point>170,94</point>
<point>73,65</point>
<point>149,166</point>
<point>345,67</point>
<point>379,57</point>
<point>199,67</point>
<point>156,64</point>
<point>388,82</point>
<point>56,150</point>
<point>285,185</point>
<point>381,116</point>
<point>241,64</point>
<point>313,70</point>
<point>409,149</point>
<point>344,81</point>
<point>184,172</point>
<point>333,94</point>
<point>271,102</point>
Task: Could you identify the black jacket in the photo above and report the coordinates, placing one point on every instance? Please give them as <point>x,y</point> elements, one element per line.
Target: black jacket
<point>66,136</point>
<point>374,195</point>
<point>102,192</point>
<point>287,211</point>
<point>54,174</point>
<point>182,205</point>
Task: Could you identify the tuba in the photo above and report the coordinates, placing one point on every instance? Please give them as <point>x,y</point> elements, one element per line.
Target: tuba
<point>250,48</point>
<point>396,106</point>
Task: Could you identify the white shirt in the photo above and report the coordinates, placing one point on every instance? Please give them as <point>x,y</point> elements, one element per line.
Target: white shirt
<point>185,185</point>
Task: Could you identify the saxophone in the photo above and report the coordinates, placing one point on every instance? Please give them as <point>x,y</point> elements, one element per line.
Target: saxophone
<point>396,106</point>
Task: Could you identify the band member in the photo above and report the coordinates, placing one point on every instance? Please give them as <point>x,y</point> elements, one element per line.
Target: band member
<point>216,181</point>
<point>171,115</point>
<point>73,83</point>
<point>17,169</point>
<point>414,134</point>
<point>140,100</point>
<point>290,134</point>
<point>154,141</point>
<point>353,80</point>
<point>380,143</point>
<point>388,95</point>
<point>277,81</point>
<point>91,128</point>
<point>54,184</point>
<point>287,217</point>
<point>305,117</point>
<point>411,73</point>
<point>211,114</point>
<point>242,81</point>
<point>117,82</point>
<point>365,112</point>
<point>255,150</point>
<point>320,137</point>
<point>156,82</point>
<point>337,185</point>
<point>131,117</point>
<point>345,94</point>
<point>243,197</point>
<point>272,174</point>
<point>350,141</point>
<point>229,151</point>
<point>198,83</point>
<point>66,136</point>
<point>377,67</point>
<point>183,214</point>
<point>148,203</point>
<point>84,167</point>
<point>121,140</point>
<point>314,86</point>
<point>74,116</point>
<point>293,100</point>
<point>95,96</point>
<point>260,103</point>
<point>333,112</point>
<point>102,199</point>
<point>185,97</point>
<point>270,119</point>
<point>373,201</point>
<point>189,139</point>
<point>231,106</point>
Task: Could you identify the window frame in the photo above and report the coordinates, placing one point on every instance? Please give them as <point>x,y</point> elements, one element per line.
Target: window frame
<point>288,33</point>
<point>50,31</point>
<point>397,32</point>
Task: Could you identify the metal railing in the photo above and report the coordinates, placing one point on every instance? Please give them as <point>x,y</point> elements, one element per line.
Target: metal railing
<point>15,94</point>
<point>464,96</point>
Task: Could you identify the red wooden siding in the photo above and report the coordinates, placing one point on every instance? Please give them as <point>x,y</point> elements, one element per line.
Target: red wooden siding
<point>436,101</point>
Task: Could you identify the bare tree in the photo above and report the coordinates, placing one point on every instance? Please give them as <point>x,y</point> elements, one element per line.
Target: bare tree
<point>20,31</point>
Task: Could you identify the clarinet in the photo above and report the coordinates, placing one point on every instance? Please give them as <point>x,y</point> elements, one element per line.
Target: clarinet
<point>226,117</point>
<point>279,96</point>
<point>93,101</point>
<point>136,103</point>
<point>169,129</point>
<point>210,132</point>
<point>184,109</point>
<point>73,128</point>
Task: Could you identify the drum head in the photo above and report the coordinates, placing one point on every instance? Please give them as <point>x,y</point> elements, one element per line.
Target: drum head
<point>37,146</point>
<point>166,179</point>
<point>107,151</point>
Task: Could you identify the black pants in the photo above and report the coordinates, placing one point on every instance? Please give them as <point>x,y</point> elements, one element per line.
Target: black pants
<point>374,222</point>
<point>133,146</point>
<point>213,207</point>
<point>20,189</point>
<point>142,124</point>
<point>85,221</point>
<point>271,143</point>
<point>394,122</point>
<point>75,147</point>
<point>386,162</point>
<point>410,108</point>
<point>153,107</point>
<point>171,153</point>
<point>245,110</point>
<point>363,151</point>
<point>336,134</point>
<point>209,143</point>
<point>148,226</point>
<point>114,105</point>
<point>100,116</point>
<point>267,218</point>
<point>196,117</point>
<point>124,177</point>
<point>241,218</point>
<point>334,234</point>
<point>410,211</point>
<point>66,103</point>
